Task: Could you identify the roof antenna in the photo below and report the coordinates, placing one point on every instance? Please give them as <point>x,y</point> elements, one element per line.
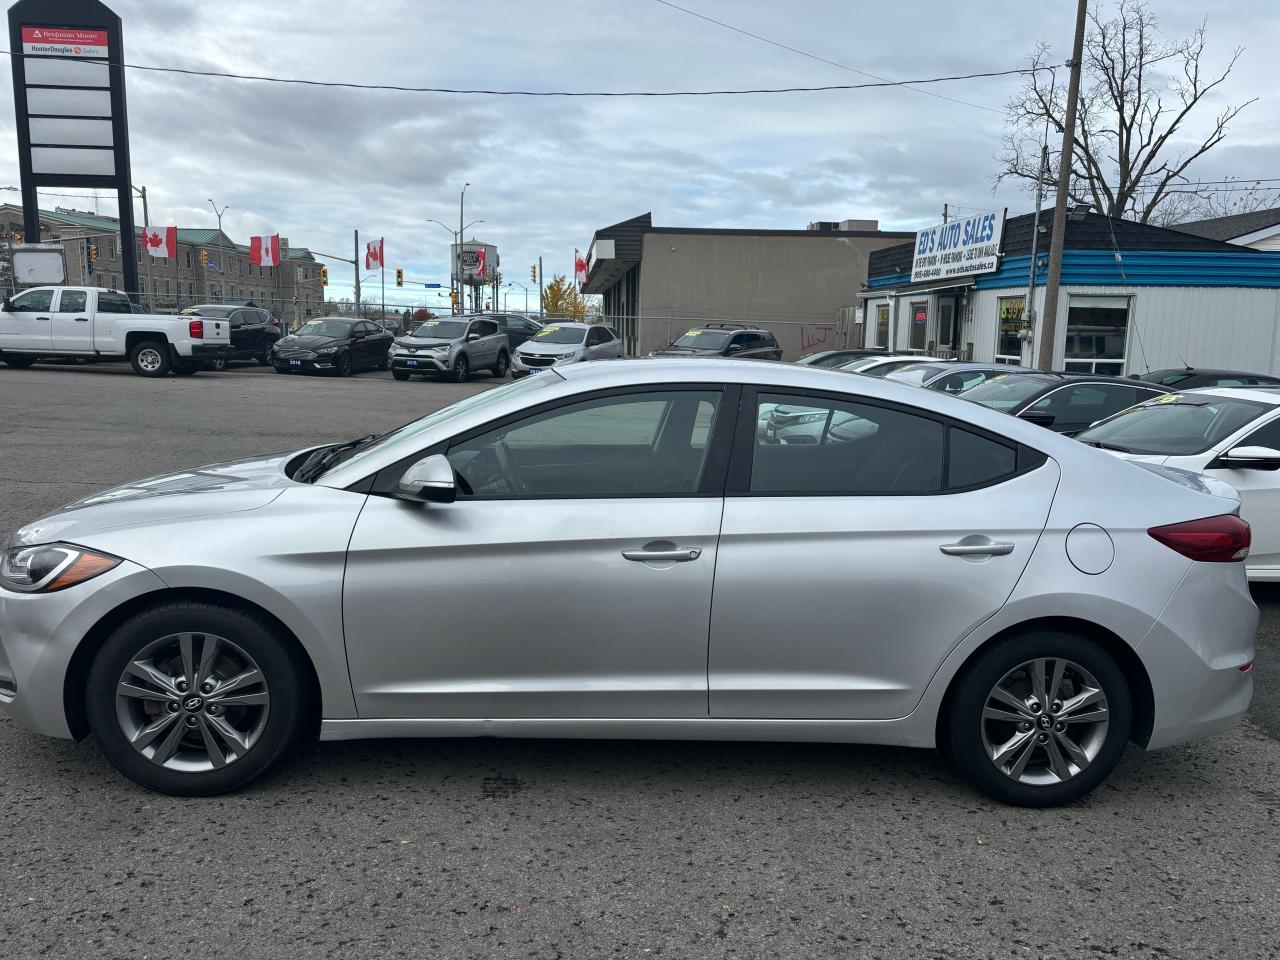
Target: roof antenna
<point>1183,362</point>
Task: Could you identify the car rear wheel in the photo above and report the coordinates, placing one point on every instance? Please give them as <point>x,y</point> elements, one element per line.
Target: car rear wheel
<point>264,359</point>
<point>218,363</point>
<point>400,374</point>
<point>461,369</point>
<point>500,368</point>
<point>150,358</point>
<point>1039,719</point>
<point>186,368</point>
<point>195,699</point>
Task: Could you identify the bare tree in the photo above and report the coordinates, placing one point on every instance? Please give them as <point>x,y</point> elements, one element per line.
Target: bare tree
<point>1136,94</point>
<point>1221,198</point>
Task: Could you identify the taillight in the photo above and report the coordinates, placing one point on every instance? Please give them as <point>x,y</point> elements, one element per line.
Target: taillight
<point>1223,539</point>
<point>196,328</point>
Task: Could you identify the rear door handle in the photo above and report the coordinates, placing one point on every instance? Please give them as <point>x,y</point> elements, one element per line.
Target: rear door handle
<point>976,547</point>
<point>675,554</point>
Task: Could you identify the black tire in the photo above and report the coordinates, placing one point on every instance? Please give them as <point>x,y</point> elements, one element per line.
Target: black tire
<point>186,368</point>
<point>504,363</point>
<point>288,717</point>
<point>150,358</point>
<point>461,369</point>
<point>400,374</point>
<point>282,369</point>
<point>384,364</point>
<point>962,734</point>
<point>345,365</point>
<point>219,364</point>
<point>18,361</point>
<point>263,360</point>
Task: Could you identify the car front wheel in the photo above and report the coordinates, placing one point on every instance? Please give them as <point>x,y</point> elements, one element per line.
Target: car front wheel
<point>345,366</point>
<point>195,699</point>
<point>1039,719</point>
<point>461,369</point>
<point>400,374</point>
<point>500,368</point>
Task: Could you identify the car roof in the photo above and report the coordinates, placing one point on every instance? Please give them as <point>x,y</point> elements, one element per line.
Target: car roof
<point>1207,371</point>
<point>1054,377</point>
<point>1268,395</point>
<point>572,324</point>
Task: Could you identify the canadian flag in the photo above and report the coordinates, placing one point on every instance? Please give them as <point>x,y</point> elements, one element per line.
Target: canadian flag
<point>160,244</point>
<point>480,263</point>
<point>265,251</point>
<point>373,255</point>
<point>579,267</point>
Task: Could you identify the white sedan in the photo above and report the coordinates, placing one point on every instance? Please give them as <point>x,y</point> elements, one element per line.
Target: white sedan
<point>1231,433</point>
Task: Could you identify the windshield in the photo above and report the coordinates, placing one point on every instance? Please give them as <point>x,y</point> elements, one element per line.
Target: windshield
<point>855,366</point>
<point>324,328</point>
<point>873,367</point>
<point>1005,392</point>
<point>830,360</point>
<point>915,372</point>
<point>703,339</point>
<point>554,334</point>
<point>415,428</point>
<point>440,329</point>
<point>1175,424</point>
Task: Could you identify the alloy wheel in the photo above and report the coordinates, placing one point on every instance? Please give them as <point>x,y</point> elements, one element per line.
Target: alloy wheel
<point>192,702</point>
<point>1045,721</point>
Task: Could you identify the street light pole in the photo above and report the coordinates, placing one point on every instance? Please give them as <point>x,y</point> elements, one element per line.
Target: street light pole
<point>222,257</point>
<point>146,225</point>
<point>457,247</point>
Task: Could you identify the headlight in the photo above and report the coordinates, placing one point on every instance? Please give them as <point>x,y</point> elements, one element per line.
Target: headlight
<point>569,357</point>
<point>51,566</point>
<point>439,347</point>
<point>328,350</point>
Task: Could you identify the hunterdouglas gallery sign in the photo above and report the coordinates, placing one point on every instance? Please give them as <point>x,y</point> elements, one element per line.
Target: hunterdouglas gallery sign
<point>959,248</point>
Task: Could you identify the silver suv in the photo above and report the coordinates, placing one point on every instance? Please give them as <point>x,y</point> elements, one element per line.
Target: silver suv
<point>451,345</point>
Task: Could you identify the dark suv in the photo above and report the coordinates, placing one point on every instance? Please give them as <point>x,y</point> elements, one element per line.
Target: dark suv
<point>253,331</point>
<point>736,340</point>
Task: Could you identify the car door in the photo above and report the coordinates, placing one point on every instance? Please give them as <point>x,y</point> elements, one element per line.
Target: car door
<point>890,537</point>
<point>27,324</point>
<point>71,330</point>
<point>571,578</point>
<point>368,346</point>
<point>484,351</point>
<point>240,334</point>
<point>1259,495</point>
<point>593,344</point>
<point>1076,406</point>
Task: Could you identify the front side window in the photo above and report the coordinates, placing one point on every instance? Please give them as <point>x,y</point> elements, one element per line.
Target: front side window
<point>484,328</point>
<point>1177,425</point>
<point>632,445</point>
<point>72,301</point>
<point>595,337</point>
<point>33,301</point>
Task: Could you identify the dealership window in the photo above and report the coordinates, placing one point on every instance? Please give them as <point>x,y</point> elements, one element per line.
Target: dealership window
<point>919,325</point>
<point>1008,342</point>
<point>882,325</point>
<point>1097,334</point>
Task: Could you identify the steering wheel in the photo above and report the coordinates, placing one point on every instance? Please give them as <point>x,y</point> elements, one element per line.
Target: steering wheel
<point>509,467</point>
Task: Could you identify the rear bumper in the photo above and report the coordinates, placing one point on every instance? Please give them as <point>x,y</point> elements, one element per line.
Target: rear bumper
<point>212,351</point>
<point>1195,652</point>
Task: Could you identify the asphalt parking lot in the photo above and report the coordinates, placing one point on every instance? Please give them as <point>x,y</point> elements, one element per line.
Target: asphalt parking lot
<point>489,848</point>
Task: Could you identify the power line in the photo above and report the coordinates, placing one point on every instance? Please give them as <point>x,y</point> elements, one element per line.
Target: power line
<point>814,56</point>
<point>395,88</point>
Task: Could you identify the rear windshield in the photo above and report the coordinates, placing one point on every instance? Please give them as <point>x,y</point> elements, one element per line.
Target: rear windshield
<point>1005,392</point>
<point>553,334</point>
<point>1166,378</point>
<point>1173,425</point>
<point>703,339</point>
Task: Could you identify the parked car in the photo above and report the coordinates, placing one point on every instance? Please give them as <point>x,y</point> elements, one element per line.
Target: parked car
<point>95,323</point>
<point>951,377</point>
<point>952,578</point>
<point>339,345</point>
<point>454,346</point>
<point>561,343</point>
<point>740,341</point>
<point>1191,378</point>
<point>834,358</point>
<point>253,331</point>
<point>1063,402</point>
<point>882,365</point>
<point>1229,433</point>
<point>517,327</point>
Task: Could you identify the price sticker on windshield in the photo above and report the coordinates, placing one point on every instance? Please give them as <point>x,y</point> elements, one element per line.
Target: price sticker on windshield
<point>546,331</point>
<point>1168,398</point>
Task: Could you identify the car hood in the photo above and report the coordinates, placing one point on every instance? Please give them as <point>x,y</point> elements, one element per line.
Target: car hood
<point>312,342</point>
<point>422,343</point>
<point>230,487</point>
<point>548,348</point>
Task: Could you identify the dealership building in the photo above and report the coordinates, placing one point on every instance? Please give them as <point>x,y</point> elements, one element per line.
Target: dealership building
<point>1133,297</point>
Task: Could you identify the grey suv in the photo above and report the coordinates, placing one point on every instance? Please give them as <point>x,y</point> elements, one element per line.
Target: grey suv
<point>736,340</point>
<point>454,346</point>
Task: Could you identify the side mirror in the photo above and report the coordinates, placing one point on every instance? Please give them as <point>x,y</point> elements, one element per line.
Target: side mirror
<point>735,347</point>
<point>8,305</point>
<point>430,480</point>
<point>1040,418</point>
<point>472,336</point>
<point>1249,458</point>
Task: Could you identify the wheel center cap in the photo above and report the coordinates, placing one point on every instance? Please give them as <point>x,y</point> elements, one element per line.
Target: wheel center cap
<point>192,704</point>
<point>1046,723</point>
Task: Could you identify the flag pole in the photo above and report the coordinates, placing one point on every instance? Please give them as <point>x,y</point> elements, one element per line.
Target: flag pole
<point>382,262</point>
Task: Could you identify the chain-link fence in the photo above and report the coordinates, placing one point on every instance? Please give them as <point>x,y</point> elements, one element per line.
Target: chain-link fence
<point>644,334</point>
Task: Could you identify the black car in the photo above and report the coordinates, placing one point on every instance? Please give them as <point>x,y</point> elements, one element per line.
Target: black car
<point>338,345</point>
<point>1189,378</point>
<point>736,340</point>
<point>517,328</point>
<point>253,331</point>
<point>1063,402</point>
<point>834,358</point>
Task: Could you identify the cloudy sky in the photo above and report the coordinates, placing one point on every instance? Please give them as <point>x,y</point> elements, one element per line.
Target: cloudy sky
<point>313,163</point>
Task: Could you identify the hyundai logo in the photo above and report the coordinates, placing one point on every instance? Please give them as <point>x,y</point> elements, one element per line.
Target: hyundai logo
<point>193,703</point>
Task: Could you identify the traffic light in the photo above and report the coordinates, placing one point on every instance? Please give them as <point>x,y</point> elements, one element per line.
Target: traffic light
<point>399,277</point>
<point>17,238</point>
<point>204,259</point>
<point>93,253</point>
<point>324,276</point>
<point>533,273</point>
<point>453,297</point>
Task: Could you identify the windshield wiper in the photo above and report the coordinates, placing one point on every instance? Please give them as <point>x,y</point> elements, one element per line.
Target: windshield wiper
<point>1103,445</point>
<point>318,461</point>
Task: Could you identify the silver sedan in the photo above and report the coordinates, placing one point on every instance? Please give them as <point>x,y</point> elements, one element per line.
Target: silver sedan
<point>617,550</point>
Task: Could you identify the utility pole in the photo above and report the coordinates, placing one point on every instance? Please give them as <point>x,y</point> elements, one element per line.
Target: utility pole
<point>457,247</point>
<point>222,257</point>
<point>1029,306</point>
<point>542,311</point>
<point>355,262</point>
<point>146,224</point>
<point>946,213</point>
<point>1048,329</point>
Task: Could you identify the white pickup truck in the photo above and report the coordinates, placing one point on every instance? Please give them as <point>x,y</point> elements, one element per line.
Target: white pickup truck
<point>93,322</point>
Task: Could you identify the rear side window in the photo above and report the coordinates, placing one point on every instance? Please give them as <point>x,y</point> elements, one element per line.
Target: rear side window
<point>974,460</point>
<point>114,303</point>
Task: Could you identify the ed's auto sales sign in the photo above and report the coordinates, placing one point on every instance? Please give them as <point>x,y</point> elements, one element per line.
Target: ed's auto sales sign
<point>64,42</point>
<point>960,248</point>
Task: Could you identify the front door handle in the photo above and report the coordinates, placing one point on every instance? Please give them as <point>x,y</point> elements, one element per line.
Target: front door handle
<point>976,547</point>
<point>667,555</point>
<point>82,319</point>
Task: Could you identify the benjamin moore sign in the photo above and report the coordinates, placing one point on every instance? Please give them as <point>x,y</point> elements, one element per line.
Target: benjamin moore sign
<point>960,248</point>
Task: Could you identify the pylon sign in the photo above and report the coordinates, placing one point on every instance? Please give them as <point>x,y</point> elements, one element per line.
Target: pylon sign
<point>69,107</point>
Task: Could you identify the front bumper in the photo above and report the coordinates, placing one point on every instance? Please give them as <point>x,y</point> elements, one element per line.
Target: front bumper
<point>421,362</point>
<point>521,365</point>
<point>39,632</point>
<point>309,363</point>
